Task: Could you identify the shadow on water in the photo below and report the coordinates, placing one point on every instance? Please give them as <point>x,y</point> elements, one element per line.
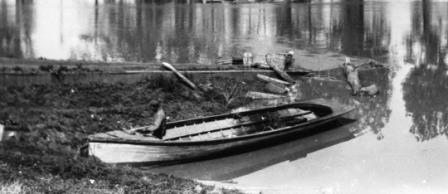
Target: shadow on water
<point>231,167</point>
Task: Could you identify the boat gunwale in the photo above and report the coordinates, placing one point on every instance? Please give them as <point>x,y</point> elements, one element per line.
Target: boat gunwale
<point>336,112</point>
<point>244,113</point>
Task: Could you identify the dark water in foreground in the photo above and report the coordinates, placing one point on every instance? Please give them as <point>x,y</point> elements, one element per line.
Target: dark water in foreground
<point>399,143</point>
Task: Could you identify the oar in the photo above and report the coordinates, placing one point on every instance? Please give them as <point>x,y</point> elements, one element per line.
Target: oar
<point>182,77</point>
<point>195,90</point>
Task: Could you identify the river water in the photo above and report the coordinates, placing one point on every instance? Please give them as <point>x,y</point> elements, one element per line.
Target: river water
<point>398,143</point>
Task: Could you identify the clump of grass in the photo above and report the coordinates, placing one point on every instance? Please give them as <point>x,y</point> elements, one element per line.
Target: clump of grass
<point>228,90</point>
<point>17,69</point>
<point>46,68</point>
<point>231,93</point>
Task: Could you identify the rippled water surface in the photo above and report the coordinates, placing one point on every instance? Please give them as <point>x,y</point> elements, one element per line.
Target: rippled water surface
<point>398,143</point>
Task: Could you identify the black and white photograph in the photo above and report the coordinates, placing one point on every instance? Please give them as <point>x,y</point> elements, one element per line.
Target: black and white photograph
<point>224,96</point>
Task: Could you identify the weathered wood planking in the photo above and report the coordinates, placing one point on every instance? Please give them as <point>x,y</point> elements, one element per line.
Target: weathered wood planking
<point>111,148</point>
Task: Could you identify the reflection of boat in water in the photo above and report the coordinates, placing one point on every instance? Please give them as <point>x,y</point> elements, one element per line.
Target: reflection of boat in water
<point>216,135</point>
<point>231,167</point>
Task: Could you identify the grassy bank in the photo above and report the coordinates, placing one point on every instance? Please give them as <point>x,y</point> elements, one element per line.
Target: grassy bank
<point>43,66</point>
<point>58,118</point>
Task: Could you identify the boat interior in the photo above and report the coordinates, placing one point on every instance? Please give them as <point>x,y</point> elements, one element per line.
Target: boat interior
<point>228,125</point>
<point>233,125</point>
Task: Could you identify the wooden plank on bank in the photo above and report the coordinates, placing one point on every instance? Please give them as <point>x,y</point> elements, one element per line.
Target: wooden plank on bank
<point>300,72</point>
<point>272,80</point>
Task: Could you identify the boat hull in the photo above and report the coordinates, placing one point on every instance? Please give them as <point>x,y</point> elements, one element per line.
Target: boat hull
<point>166,153</point>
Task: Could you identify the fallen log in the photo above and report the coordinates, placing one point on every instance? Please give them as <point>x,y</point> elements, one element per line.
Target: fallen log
<point>326,79</point>
<point>272,80</point>
<point>284,75</point>
<point>275,88</point>
<point>262,95</point>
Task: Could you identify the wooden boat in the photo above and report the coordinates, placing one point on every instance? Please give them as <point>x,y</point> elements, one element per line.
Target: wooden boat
<point>213,136</point>
<point>234,166</point>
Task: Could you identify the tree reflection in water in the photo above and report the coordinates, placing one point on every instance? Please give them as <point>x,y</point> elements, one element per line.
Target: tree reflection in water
<point>372,112</point>
<point>425,93</point>
<point>184,33</point>
<point>425,89</point>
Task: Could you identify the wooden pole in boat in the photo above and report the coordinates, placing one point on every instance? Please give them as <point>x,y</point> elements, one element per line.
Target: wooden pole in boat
<point>182,77</point>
